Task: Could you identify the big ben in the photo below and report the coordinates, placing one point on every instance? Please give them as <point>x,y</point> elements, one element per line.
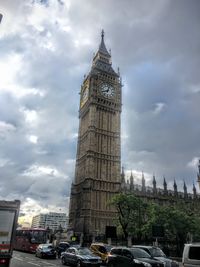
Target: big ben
<point>98,159</point>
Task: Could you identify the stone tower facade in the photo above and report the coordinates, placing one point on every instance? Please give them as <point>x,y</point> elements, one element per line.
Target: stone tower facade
<point>98,159</point>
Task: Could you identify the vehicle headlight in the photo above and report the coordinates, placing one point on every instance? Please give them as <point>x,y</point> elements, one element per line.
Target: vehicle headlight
<point>146,264</point>
<point>174,264</point>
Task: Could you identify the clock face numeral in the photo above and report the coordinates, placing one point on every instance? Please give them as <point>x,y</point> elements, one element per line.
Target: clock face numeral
<point>107,90</point>
<point>84,96</point>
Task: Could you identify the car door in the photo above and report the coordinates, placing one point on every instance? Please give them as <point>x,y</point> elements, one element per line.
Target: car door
<point>40,250</point>
<point>127,258</point>
<point>73,256</point>
<point>69,256</point>
<point>117,259</point>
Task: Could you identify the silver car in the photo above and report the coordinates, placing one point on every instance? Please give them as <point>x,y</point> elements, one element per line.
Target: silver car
<point>157,253</point>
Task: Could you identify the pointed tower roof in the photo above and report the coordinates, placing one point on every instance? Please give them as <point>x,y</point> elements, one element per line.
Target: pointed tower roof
<point>102,47</point>
<point>154,180</point>
<point>185,189</point>
<point>154,184</point>
<point>131,177</point>
<point>131,181</point>
<point>175,185</point>
<point>122,175</point>
<point>194,191</point>
<point>198,174</point>
<point>164,185</point>
<point>102,59</point>
<point>175,188</point>
<point>164,182</point>
<point>143,183</point>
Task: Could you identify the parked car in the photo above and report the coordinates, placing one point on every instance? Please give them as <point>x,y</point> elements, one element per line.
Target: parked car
<point>45,251</point>
<point>157,253</point>
<point>100,249</point>
<point>80,257</point>
<point>61,247</point>
<point>131,257</point>
<point>191,255</point>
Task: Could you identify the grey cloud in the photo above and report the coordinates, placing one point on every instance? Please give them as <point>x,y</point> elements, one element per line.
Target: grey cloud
<point>155,44</point>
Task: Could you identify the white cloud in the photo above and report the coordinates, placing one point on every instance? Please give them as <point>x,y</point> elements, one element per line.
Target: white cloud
<point>193,163</point>
<point>6,128</point>
<point>33,139</point>
<point>39,171</point>
<point>3,162</point>
<point>159,107</point>
<point>195,88</point>
<point>31,116</point>
<point>10,65</point>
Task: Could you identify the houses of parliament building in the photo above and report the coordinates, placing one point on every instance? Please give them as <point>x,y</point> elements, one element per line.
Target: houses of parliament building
<point>98,175</point>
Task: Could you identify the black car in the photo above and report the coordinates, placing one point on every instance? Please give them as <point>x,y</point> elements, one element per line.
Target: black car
<point>80,257</point>
<point>131,257</point>
<point>157,253</point>
<point>45,251</point>
<point>61,247</point>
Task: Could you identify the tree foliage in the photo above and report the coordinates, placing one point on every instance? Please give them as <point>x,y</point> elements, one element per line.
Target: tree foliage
<point>137,216</point>
<point>131,213</point>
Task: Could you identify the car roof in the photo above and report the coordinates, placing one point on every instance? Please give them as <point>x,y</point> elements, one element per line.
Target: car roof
<point>99,244</point>
<point>193,244</point>
<point>122,247</point>
<point>143,246</point>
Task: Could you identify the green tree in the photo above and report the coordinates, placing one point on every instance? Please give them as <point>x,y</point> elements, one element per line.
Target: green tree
<point>131,214</point>
<point>136,217</point>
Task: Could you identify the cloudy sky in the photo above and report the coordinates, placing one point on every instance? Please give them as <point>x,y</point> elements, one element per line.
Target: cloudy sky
<point>47,46</point>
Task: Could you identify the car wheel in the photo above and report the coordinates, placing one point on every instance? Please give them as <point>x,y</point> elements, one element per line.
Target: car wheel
<point>78,264</point>
<point>63,261</point>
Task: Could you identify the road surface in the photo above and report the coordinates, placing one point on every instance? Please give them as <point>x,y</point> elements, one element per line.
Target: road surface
<point>22,259</point>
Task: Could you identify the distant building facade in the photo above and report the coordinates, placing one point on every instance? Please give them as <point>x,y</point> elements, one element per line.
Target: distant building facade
<point>164,195</point>
<point>52,220</point>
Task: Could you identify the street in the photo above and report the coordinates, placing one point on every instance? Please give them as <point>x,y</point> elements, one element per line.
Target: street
<point>22,259</point>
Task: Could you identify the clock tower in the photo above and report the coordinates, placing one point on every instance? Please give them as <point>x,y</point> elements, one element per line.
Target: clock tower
<point>98,159</point>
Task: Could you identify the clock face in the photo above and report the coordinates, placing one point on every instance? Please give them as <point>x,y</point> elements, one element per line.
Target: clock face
<point>85,95</point>
<point>107,90</point>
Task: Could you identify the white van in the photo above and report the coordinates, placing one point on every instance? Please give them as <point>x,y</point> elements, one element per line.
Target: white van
<point>191,255</point>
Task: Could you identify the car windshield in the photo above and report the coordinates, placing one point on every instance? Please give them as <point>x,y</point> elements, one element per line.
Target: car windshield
<point>46,247</point>
<point>84,251</point>
<point>157,252</point>
<point>139,253</point>
<point>108,248</point>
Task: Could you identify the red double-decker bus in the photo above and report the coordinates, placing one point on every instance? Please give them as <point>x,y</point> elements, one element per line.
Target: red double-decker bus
<point>28,239</point>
